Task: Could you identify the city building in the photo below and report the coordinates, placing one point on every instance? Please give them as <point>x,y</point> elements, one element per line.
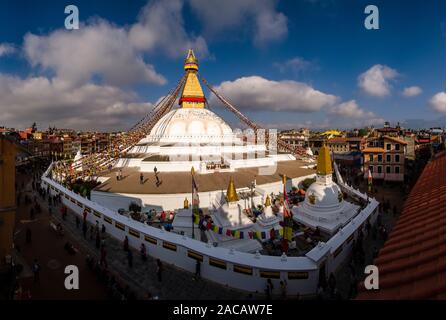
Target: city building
<point>384,157</point>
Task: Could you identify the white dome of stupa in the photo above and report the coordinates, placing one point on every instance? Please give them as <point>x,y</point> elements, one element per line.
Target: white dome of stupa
<point>190,124</point>
<point>324,197</point>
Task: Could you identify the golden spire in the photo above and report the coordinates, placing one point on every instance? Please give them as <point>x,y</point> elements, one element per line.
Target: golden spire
<point>192,95</point>
<point>268,201</point>
<point>324,166</point>
<point>231,194</point>
<point>191,63</point>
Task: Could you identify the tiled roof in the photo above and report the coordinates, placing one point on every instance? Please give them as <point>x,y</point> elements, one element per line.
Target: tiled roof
<point>395,139</point>
<point>373,150</point>
<point>412,263</point>
<point>337,140</point>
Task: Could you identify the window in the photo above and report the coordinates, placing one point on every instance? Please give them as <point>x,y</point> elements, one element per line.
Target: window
<point>380,169</point>
<point>397,147</point>
<point>388,146</point>
<point>371,169</point>
<point>371,157</point>
<point>388,169</point>
<point>397,158</point>
<point>380,158</point>
<point>388,158</point>
<point>397,169</point>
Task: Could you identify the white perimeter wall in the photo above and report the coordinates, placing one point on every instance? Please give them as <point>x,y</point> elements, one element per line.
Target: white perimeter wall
<point>301,273</point>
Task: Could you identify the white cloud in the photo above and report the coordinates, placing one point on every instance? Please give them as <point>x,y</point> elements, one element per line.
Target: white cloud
<point>412,91</point>
<point>97,49</point>
<point>6,49</point>
<point>257,93</point>
<point>160,27</point>
<point>351,109</point>
<point>438,102</point>
<point>296,64</point>
<point>46,101</point>
<point>375,81</point>
<point>349,114</point>
<point>258,18</point>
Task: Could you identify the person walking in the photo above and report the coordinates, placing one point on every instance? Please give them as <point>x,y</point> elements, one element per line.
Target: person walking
<point>143,252</point>
<point>36,271</point>
<point>103,261</point>
<point>269,289</point>
<point>130,258</point>
<point>159,269</point>
<point>141,178</point>
<point>126,244</point>
<point>197,270</point>
<point>283,289</point>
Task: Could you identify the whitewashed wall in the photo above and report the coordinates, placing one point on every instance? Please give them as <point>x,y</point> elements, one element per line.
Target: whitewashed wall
<point>332,253</point>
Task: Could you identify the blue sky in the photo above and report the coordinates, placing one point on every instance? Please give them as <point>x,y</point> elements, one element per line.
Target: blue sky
<point>284,63</point>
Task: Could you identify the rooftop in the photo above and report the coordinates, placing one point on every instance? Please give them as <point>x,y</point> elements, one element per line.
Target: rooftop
<point>412,263</point>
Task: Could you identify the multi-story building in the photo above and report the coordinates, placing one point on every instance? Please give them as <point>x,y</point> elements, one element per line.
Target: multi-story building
<point>385,158</point>
<point>338,145</point>
<point>297,138</point>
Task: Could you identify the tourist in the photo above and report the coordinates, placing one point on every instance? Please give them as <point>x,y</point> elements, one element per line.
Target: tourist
<point>103,228</point>
<point>36,271</point>
<point>103,260</point>
<point>143,252</point>
<point>117,175</point>
<point>92,232</point>
<point>269,289</point>
<point>130,258</point>
<point>141,178</point>
<point>283,288</point>
<point>28,235</point>
<point>159,269</point>
<point>197,270</point>
<point>126,243</point>
<point>120,174</point>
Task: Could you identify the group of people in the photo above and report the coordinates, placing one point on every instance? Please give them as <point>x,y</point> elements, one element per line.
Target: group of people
<point>116,288</point>
<point>270,287</point>
<point>143,255</point>
<point>157,178</point>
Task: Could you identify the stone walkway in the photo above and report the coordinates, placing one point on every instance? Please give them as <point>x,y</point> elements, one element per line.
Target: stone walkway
<point>176,283</point>
<point>343,275</point>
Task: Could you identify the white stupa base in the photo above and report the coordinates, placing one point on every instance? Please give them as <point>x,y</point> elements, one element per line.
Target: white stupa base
<point>328,222</point>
